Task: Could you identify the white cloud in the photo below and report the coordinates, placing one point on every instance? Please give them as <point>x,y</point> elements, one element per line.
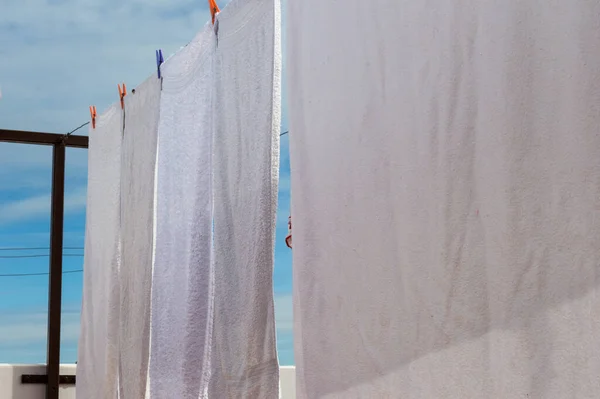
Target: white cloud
<point>39,205</point>
<point>65,55</point>
<point>30,166</point>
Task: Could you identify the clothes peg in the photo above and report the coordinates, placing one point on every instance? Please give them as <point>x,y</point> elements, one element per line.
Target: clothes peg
<point>122,94</point>
<point>288,238</point>
<point>159,61</point>
<point>214,9</point>
<point>93,115</point>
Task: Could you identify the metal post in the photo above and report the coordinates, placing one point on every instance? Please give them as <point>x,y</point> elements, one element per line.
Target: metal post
<point>58,142</point>
<point>55,279</point>
<point>19,136</point>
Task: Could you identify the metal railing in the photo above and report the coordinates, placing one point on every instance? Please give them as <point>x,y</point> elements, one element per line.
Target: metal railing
<point>59,142</point>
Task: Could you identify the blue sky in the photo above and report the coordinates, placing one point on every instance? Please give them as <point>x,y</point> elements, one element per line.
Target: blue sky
<point>57,57</point>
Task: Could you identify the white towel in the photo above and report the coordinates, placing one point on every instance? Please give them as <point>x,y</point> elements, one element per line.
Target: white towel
<point>137,212</point>
<point>246,167</point>
<point>181,282</point>
<point>446,203</point>
<point>97,358</point>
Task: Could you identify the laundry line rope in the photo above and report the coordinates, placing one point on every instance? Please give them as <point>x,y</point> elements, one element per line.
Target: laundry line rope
<point>88,122</point>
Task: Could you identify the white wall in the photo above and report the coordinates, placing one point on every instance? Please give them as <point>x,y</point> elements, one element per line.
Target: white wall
<point>287,376</point>
<point>11,387</point>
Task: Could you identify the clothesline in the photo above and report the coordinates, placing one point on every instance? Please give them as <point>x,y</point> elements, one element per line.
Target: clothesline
<point>88,122</point>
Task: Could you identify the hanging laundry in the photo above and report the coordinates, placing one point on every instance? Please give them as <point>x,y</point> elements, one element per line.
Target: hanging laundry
<point>246,171</point>
<point>98,352</point>
<point>182,279</point>
<point>137,226</point>
<point>446,170</point>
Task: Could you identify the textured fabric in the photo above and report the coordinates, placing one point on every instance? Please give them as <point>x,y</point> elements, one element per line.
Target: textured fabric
<point>445,159</point>
<point>137,211</point>
<point>97,357</point>
<point>246,159</point>
<point>182,278</point>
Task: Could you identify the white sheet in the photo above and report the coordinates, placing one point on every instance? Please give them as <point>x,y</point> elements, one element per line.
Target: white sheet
<point>98,353</point>
<point>138,163</point>
<point>246,161</point>
<point>445,159</point>
<point>182,276</point>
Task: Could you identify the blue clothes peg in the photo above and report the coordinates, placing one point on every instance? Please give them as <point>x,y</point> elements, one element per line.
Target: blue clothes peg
<point>159,61</point>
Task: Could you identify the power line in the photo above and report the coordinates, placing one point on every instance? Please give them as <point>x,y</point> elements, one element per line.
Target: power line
<point>33,256</point>
<point>33,248</point>
<point>38,274</point>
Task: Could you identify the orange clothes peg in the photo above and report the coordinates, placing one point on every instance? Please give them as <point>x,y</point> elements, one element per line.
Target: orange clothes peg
<point>288,238</point>
<point>122,94</point>
<point>214,9</point>
<point>93,115</point>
